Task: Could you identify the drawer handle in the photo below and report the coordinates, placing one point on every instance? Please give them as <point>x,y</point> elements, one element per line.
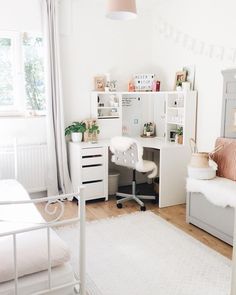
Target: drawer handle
<point>91,156</point>
<point>92,165</point>
<point>92,181</point>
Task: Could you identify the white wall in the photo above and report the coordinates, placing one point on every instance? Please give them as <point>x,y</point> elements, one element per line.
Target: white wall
<point>26,130</point>
<point>96,45</point>
<point>20,15</point>
<point>212,22</point>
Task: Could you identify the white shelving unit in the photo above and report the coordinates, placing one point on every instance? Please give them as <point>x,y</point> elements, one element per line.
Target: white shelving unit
<point>106,107</point>
<point>169,110</point>
<point>181,112</point>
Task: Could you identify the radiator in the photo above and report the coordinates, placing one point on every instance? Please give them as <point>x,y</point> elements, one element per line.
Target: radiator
<point>31,165</point>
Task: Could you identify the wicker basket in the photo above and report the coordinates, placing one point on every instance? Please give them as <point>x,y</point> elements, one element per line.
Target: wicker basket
<point>201,159</point>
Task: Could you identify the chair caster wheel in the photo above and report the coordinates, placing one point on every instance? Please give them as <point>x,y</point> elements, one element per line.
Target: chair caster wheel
<point>155,201</point>
<point>143,208</point>
<point>119,205</point>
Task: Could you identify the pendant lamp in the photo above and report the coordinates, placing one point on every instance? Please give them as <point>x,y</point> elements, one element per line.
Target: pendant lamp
<point>121,9</point>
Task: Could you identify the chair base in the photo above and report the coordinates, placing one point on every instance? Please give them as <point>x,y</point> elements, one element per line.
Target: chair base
<point>134,197</point>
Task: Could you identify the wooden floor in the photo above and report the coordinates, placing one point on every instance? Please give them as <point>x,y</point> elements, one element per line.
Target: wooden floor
<point>176,215</point>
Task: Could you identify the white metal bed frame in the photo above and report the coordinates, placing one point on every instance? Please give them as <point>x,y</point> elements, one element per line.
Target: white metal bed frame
<point>79,281</point>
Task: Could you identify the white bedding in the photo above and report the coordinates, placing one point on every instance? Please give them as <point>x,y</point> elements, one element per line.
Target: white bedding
<point>31,246</point>
<point>38,281</point>
<point>219,191</point>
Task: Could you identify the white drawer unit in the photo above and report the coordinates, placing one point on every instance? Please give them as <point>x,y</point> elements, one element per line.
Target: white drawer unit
<point>92,173</point>
<point>89,167</point>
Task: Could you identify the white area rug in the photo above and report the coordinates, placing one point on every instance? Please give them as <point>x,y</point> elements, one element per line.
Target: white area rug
<point>142,254</point>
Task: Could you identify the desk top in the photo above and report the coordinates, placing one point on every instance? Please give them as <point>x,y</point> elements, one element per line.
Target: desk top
<point>155,143</point>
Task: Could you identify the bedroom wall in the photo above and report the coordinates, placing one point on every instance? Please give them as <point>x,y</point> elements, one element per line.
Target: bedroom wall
<point>212,22</point>
<point>91,44</point>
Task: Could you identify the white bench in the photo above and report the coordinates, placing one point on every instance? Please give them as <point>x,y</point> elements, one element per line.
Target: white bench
<point>210,206</point>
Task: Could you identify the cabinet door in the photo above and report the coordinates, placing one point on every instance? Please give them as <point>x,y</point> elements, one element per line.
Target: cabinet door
<point>230,118</point>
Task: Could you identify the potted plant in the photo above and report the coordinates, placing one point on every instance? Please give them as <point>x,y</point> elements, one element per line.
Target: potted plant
<point>179,86</point>
<point>76,130</point>
<point>179,135</point>
<point>148,129</point>
<point>93,130</point>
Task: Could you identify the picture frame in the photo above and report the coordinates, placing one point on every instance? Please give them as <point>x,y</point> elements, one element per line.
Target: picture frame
<point>190,70</point>
<point>99,83</point>
<point>179,78</point>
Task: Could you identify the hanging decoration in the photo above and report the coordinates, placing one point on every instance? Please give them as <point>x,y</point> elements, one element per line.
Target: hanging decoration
<point>193,44</point>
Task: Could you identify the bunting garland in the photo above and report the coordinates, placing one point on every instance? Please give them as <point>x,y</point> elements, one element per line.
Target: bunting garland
<point>195,45</point>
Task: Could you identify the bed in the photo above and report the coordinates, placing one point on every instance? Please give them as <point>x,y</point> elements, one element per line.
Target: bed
<point>216,215</point>
<point>34,259</point>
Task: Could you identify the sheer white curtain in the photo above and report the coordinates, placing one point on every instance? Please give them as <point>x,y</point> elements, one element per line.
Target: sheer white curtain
<point>58,174</point>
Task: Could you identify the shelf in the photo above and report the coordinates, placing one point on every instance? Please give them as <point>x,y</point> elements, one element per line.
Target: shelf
<point>104,108</point>
<point>108,117</point>
<point>143,92</point>
<point>175,108</point>
<point>175,123</point>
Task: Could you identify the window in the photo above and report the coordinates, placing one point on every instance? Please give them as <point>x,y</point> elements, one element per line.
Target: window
<point>22,87</point>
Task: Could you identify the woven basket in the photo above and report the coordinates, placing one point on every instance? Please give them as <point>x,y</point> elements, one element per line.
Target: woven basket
<point>201,159</point>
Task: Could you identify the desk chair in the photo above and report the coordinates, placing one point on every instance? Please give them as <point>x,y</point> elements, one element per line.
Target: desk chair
<point>128,152</point>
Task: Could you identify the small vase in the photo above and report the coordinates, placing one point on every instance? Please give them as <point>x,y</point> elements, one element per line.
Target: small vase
<point>92,137</point>
<point>76,136</point>
<point>179,139</point>
<point>178,88</point>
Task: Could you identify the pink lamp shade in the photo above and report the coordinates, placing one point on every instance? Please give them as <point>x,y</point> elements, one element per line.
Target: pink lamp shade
<point>121,9</point>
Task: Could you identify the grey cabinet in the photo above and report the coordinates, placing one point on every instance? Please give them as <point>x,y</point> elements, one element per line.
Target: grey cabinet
<point>228,126</point>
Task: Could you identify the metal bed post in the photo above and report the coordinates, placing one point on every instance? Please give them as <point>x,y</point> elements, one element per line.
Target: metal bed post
<point>49,259</point>
<point>82,237</point>
<point>15,263</point>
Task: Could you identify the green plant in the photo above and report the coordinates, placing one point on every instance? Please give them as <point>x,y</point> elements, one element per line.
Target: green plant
<point>93,127</point>
<point>148,127</point>
<point>179,131</point>
<point>75,127</point>
<point>178,83</point>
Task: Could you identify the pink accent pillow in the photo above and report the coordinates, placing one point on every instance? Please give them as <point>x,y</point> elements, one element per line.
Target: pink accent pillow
<point>226,158</point>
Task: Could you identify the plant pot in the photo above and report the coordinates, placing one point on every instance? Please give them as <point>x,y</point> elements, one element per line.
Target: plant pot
<point>179,139</point>
<point>178,88</point>
<point>148,133</point>
<point>94,137</point>
<point>76,136</point>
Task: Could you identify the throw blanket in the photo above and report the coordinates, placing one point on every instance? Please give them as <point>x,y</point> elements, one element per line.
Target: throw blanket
<point>219,191</point>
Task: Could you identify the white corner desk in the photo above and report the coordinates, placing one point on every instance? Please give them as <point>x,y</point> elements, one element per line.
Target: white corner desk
<point>89,163</point>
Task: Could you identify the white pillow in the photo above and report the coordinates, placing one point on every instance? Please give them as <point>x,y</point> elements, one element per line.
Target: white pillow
<point>32,253</point>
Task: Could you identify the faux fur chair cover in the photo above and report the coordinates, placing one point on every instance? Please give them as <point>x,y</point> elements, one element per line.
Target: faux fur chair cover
<point>123,144</point>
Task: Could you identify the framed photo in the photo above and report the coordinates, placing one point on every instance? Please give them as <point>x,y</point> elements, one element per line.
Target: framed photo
<point>99,83</point>
<point>190,70</point>
<point>179,78</point>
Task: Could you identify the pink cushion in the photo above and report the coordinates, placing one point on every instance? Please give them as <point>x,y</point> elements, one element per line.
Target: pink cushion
<point>226,158</point>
